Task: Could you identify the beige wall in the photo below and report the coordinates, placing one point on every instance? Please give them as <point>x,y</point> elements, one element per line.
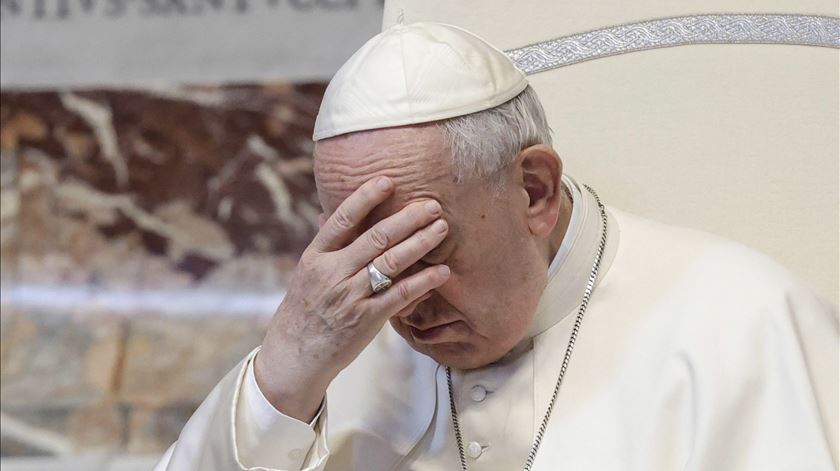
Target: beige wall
<point>739,140</point>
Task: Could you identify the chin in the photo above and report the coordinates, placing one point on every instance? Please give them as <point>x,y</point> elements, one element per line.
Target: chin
<point>461,355</point>
<point>459,361</point>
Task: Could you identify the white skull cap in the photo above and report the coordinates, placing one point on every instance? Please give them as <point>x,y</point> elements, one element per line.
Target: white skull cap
<point>416,73</point>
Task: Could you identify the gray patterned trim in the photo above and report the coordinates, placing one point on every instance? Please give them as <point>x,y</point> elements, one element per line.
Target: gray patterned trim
<point>678,31</point>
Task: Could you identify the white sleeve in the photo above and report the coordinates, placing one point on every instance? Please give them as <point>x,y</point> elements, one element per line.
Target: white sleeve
<point>265,438</point>
<point>209,440</point>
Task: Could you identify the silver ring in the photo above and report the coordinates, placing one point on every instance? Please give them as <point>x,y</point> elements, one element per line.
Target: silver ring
<point>378,280</point>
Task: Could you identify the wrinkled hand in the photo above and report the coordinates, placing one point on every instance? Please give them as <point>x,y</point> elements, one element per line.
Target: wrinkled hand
<point>330,312</point>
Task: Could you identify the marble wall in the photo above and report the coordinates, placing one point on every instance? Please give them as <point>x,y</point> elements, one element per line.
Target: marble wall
<point>146,238</point>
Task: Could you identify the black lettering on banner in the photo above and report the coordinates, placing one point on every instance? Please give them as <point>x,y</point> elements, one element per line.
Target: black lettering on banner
<point>338,4</point>
<point>198,6</point>
<point>165,7</point>
<point>88,6</point>
<point>40,9</point>
<point>150,8</point>
<point>303,5</point>
<point>242,6</point>
<point>112,9</point>
<point>115,8</point>
<point>10,8</point>
<point>63,9</point>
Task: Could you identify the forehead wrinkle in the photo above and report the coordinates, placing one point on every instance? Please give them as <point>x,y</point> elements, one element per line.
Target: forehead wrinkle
<point>344,177</point>
<point>345,164</point>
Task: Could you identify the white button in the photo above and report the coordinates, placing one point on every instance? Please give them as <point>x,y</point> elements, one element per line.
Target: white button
<point>296,454</point>
<point>474,450</point>
<point>478,393</point>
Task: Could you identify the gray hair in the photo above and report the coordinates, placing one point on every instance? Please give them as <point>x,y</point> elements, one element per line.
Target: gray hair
<point>485,143</point>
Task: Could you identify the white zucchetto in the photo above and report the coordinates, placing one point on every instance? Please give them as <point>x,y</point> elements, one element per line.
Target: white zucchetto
<point>416,73</point>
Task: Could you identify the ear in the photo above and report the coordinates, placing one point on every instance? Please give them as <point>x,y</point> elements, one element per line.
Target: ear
<point>541,168</point>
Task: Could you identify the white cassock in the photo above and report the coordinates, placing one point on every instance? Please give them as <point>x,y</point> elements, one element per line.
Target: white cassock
<point>695,353</point>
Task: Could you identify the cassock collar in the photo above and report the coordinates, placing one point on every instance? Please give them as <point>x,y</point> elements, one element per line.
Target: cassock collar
<point>569,270</point>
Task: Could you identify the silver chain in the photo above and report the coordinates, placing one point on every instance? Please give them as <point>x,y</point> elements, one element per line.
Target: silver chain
<point>532,453</point>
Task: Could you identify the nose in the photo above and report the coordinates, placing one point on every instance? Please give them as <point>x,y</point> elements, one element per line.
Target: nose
<point>426,312</point>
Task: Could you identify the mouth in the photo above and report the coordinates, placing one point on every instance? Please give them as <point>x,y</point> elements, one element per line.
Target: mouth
<point>430,335</point>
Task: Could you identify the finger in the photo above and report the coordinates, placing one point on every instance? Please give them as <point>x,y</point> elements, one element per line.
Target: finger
<point>391,231</point>
<point>408,252</point>
<point>322,219</point>
<point>339,228</point>
<point>393,262</point>
<point>396,298</point>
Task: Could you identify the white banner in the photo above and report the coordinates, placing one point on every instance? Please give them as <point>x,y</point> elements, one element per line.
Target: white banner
<point>60,43</point>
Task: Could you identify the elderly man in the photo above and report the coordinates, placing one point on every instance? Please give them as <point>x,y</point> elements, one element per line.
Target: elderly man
<point>530,326</point>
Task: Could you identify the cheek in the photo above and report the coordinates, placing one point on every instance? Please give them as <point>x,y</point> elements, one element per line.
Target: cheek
<point>493,268</point>
<point>491,292</point>
<point>478,296</point>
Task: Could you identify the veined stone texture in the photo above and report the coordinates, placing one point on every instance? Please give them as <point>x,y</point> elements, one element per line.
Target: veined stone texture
<point>147,236</point>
